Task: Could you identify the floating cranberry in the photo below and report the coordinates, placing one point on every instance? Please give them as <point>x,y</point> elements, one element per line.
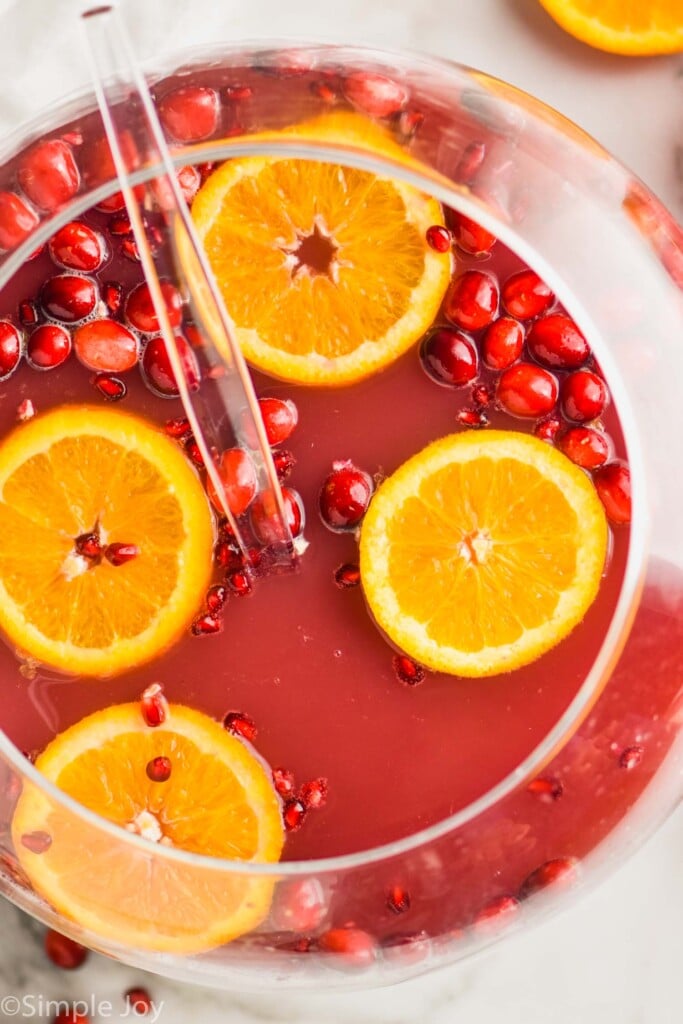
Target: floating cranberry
<point>527,391</point>
<point>238,477</point>
<point>299,906</point>
<point>352,948</point>
<point>583,396</point>
<point>64,952</point>
<point>345,497</point>
<point>157,370</point>
<point>398,900</point>
<point>407,670</point>
<point>631,757</point>
<point>313,794</point>
<point>11,346</point>
<point>284,463</point>
<point>547,430</point>
<point>555,340</point>
<point>154,706</point>
<point>37,842</point>
<point>140,311</point>
<point>77,247</point>
<point>207,625</point>
<point>283,780</point>
<point>48,174</point>
<point>280,417</point>
<point>525,295</point>
<point>472,300</point>
<point>28,313</point>
<point>613,484</point>
<point>586,447</point>
<point>17,220</point>
<point>48,347</point>
<point>503,343</point>
<point>546,790</point>
<point>118,554</point>
<point>139,1001</point>
<point>469,236</point>
<point>190,113</point>
<point>106,346</point>
<point>68,297</point>
<point>216,597</point>
<point>111,388</point>
<point>347,576</point>
<point>189,180</point>
<point>438,238</point>
<point>562,871</point>
<point>376,95</point>
<point>112,293</point>
<point>239,583</point>
<point>474,418</point>
<point>293,814</point>
<point>159,769</point>
<point>449,357</point>
<point>240,724</point>
<point>496,915</point>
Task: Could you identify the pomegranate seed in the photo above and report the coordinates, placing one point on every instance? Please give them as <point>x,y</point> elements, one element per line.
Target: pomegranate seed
<point>613,484</point>
<point>555,340</point>
<point>583,396</point>
<point>407,670</point>
<point>194,452</point>
<point>631,757</point>
<point>206,169</point>
<point>190,113</point>
<point>72,1016</point>
<point>470,163</point>
<point>28,313</point>
<point>64,952</point>
<point>283,780</point>
<point>68,297</point>
<point>106,346</point>
<point>376,95</point>
<point>37,842</point>
<point>324,92</point>
<point>48,347</point>
<point>140,311</point>
<point>482,395</point>
<point>112,389</point>
<point>472,300</point>
<point>284,463</point>
<point>469,236</point>
<point>449,357</point>
<point>17,220</point>
<point>227,555</point>
<point>216,597</point>
<point>345,497</point>
<point>26,410</point>
<point>154,706</point>
<point>159,769</point>
<point>77,247</point>
<point>562,871</point>
<point>237,92</point>
<point>112,293</point>
<point>586,447</point>
<point>313,794</point>
<point>73,137</point>
<point>157,370</point>
<point>503,343</point>
<point>347,576</point>
<point>398,899</point>
<point>119,554</point>
<point>207,625</point>
<point>178,428</point>
<point>496,915</point>
<point>11,346</point>
<point>89,545</point>
<point>527,391</point>
<point>280,417</point>
<point>239,583</point>
<point>525,295</point>
<point>352,948</point>
<point>48,174</point>
<point>139,1001</point>
<point>293,814</point>
<point>409,123</point>
<point>473,418</point>
<point>129,249</point>
<point>547,790</point>
<point>547,430</point>
<point>438,238</point>
<point>119,225</point>
<point>299,906</point>
<point>189,179</point>
<point>238,477</point>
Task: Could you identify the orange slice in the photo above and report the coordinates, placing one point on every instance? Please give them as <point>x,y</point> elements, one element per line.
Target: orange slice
<point>60,475</point>
<point>325,270</point>
<point>218,801</point>
<point>482,552</point>
<point>630,27</point>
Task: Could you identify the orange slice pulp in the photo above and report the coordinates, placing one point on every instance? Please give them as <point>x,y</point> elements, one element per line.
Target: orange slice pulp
<point>630,27</point>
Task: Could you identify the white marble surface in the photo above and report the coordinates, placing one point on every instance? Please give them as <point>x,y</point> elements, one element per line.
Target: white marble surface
<point>614,958</point>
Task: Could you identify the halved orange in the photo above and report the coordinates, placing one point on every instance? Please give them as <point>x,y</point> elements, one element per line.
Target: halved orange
<point>482,552</point>
<point>71,471</point>
<point>630,27</point>
<point>325,270</point>
<point>218,801</point>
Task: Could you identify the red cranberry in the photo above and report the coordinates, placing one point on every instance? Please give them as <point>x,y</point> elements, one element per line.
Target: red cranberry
<point>631,757</point>
<point>472,300</point>
<point>547,430</point>
<point>299,906</point>
<point>347,576</point>
<point>280,417</point>
<point>283,780</point>
<point>68,297</point>
<point>586,447</point>
<point>407,670</point>
<point>398,899</point>
<point>284,463</point>
<point>17,220</point>
<point>449,357</point>
<point>111,388</point>
<point>106,346</point>
<point>240,724</point>
<point>48,174</point>
<point>159,769</point>
<point>525,295</point>
<point>438,238</point>
<point>154,706</point>
<point>345,497</point>
<point>293,814</point>
<point>189,180</point>
<point>72,1016</point>
<point>157,370</point>
<point>376,95</point>
<point>190,113</point>
<point>313,794</point>
<point>139,1001</point>
<point>562,871</point>
<point>583,396</point>
<point>77,247</point>
<point>112,293</point>
<point>546,790</point>
<point>216,597</point>
<point>48,347</point>
<point>527,391</point>
<point>208,624</point>
<point>352,948</point>
<point>140,311</point>
<point>238,477</point>
<point>64,952</point>
<point>11,346</point>
<point>495,915</point>
<point>555,340</point>
<point>613,484</point>
<point>469,236</point>
<point>503,343</point>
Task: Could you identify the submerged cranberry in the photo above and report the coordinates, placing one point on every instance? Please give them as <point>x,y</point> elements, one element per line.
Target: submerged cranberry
<point>449,357</point>
<point>141,314</point>
<point>68,297</point>
<point>190,113</point>
<point>77,247</point>
<point>345,497</point>
<point>64,952</point>
<point>139,1001</point>
<point>525,295</point>
<point>527,391</point>
<point>583,396</point>
<point>469,236</point>
<point>159,769</point>
<point>48,174</point>
<point>562,871</point>
<point>299,906</point>
<point>555,340</point>
<point>352,947</point>
<point>106,346</point>
<point>586,447</point>
<point>17,220</point>
<point>48,347</point>
<point>503,343</point>
<point>71,1016</point>
<point>613,484</point>
<point>280,417</point>
<point>157,370</point>
<point>238,476</point>
<point>374,94</point>
<point>472,300</point>
<point>11,346</point>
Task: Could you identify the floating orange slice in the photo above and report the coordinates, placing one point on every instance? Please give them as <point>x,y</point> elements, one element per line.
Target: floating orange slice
<point>631,27</point>
<point>482,552</point>
<point>218,800</point>
<point>71,471</point>
<point>325,270</point>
